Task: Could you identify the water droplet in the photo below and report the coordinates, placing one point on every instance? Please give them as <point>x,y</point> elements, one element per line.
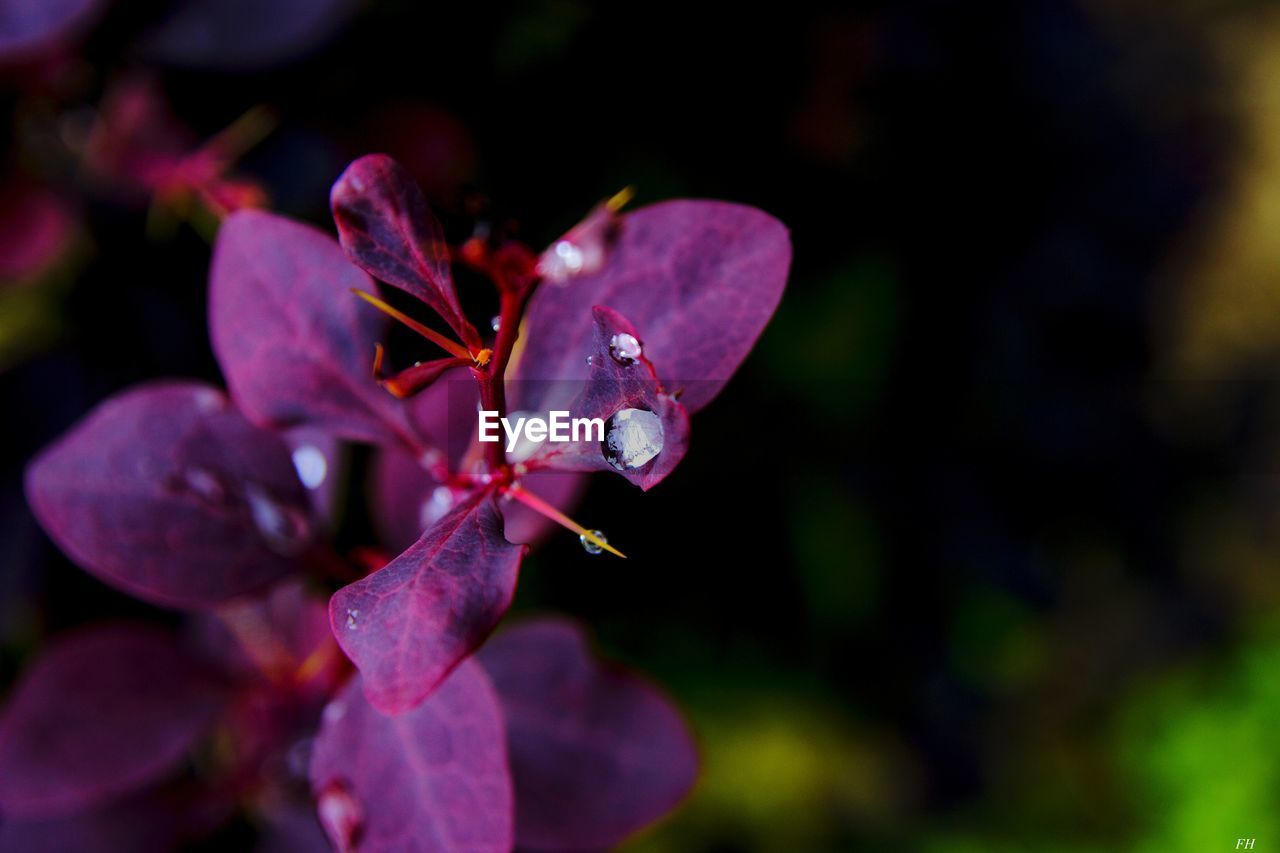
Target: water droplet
<point>353,620</point>
<point>311,465</point>
<point>496,322</point>
<point>632,438</point>
<point>334,711</point>
<point>591,359</point>
<point>589,546</point>
<point>204,483</point>
<point>625,349</point>
<point>285,529</point>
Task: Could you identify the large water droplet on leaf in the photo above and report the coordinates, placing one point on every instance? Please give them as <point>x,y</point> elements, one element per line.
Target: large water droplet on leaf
<point>311,465</point>
<point>632,438</point>
<point>589,546</point>
<point>625,349</point>
<point>284,529</point>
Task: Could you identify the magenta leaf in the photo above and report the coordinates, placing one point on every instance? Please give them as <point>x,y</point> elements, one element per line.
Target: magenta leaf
<point>596,752</point>
<point>168,493</point>
<point>433,779</point>
<point>407,625</point>
<point>295,344</point>
<point>387,229</point>
<point>646,432</point>
<point>700,278</point>
<point>30,26</point>
<point>103,712</point>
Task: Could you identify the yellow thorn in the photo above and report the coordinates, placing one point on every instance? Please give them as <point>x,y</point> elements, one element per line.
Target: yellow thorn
<point>315,662</point>
<point>619,199</point>
<point>451,347</point>
<point>545,509</point>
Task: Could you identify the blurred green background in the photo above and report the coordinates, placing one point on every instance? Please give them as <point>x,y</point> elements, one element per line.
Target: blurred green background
<point>980,550</point>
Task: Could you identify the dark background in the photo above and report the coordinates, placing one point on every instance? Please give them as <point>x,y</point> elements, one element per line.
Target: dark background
<point>977,550</point>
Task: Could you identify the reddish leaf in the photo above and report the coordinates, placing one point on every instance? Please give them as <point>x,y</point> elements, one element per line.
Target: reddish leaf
<point>434,778</point>
<point>168,493</point>
<point>29,26</point>
<point>407,625</point>
<point>596,752</point>
<point>295,344</point>
<point>136,141</point>
<point>387,229</point>
<point>102,712</point>
<point>646,431</point>
<point>37,228</point>
<point>700,278</point>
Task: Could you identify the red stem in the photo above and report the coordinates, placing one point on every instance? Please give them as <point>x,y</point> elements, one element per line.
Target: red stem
<point>493,391</point>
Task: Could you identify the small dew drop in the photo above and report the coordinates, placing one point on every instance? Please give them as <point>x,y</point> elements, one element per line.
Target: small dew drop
<point>632,438</point>
<point>591,359</point>
<point>353,620</point>
<point>496,322</point>
<point>311,465</point>
<point>625,349</point>
<point>589,546</point>
<point>334,711</point>
<point>284,529</point>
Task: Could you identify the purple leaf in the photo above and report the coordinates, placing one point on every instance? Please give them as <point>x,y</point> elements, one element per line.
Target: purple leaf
<point>241,35</point>
<point>30,26</point>
<point>102,712</point>
<point>155,819</point>
<point>434,778</point>
<point>295,344</point>
<point>387,229</point>
<point>596,752</point>
<point>700,278</point>
<point>407,625</point>
<point>168,493</point>
<point>646,430</point>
